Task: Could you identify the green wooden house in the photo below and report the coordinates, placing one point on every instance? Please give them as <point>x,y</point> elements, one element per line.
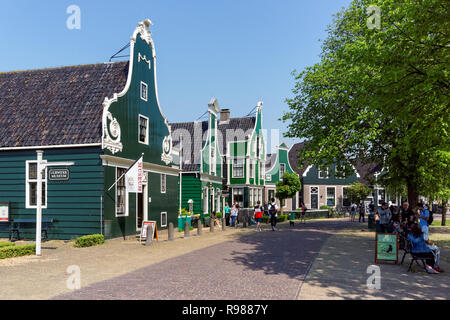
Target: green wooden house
<point>245,161</point>
<point>322,186</point>
<point>102,117</point>
<point>276,165</point>
<point>202,165</point>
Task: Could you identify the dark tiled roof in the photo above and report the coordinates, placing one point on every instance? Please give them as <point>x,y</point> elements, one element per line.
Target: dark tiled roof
<point>57,106</point>
<point>293,158</point>
<point>270,160</point>
<point>364,170</point>
<point>195,133</point>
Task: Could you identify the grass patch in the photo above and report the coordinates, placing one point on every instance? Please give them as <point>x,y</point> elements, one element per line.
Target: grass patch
<point>6,244</point>
<point>437,223</point>
<point>89,241</point>
<point>17,251</point>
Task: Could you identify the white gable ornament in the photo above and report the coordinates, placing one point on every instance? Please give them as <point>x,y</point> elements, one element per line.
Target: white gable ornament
<point>111,134</point>
<point>166,156</point>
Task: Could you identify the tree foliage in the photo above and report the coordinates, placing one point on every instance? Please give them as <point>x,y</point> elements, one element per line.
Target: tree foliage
<point>381,95</point>
<point>288,187</point>
<point>357,192</point>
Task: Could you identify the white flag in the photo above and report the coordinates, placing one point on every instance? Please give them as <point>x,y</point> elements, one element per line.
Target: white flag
<point>134,176</point>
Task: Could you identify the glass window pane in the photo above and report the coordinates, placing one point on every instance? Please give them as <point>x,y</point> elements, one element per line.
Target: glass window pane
<point>32,195</point>
<point>32,171</point>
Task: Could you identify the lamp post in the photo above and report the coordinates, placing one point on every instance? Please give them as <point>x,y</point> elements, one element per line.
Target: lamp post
<point>41,166</point>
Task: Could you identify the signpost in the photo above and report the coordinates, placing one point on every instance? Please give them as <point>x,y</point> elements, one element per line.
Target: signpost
<point>386,247</point>
<point>144,230</point>
<point>41,170</point>
<point>4,212</point>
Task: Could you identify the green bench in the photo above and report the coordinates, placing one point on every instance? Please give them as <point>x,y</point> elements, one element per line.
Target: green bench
<point>18,225</point>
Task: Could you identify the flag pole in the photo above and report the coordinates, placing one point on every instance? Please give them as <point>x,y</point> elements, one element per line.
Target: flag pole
<point>142,156</point>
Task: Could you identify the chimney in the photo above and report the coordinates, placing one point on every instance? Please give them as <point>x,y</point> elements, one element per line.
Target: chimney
<point>224,115</point>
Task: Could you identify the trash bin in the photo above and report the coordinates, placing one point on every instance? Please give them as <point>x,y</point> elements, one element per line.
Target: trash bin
<point>292,216</point>
<point>182,221</point>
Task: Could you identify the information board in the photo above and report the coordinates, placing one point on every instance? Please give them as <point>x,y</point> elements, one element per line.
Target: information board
<point>386,247</point>
<point>144,230</point>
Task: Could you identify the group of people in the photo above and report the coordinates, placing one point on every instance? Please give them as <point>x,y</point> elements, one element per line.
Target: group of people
<point>271,209</point>
<point>415,227</point>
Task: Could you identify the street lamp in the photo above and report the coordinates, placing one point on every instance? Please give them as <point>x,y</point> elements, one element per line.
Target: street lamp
<point>41,169</point>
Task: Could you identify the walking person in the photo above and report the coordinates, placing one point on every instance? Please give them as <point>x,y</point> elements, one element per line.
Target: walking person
<point>303,216</point>
<point>227,212</point>
<point>362,211</point>
<point>257,215</point>
<point>273,213</point>
<point>353,211</point>
<point>234,214</point>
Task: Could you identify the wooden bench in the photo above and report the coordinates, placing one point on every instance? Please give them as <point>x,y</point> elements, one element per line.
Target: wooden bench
<point>18,225</point>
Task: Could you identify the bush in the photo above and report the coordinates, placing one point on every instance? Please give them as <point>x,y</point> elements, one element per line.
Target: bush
<point>282,217</point>
<point>265,219</point>
<point>17,251</point>
<point>89,241</point>
<point>323,208</point>
<point>219,215</point>
<point>6,244</point>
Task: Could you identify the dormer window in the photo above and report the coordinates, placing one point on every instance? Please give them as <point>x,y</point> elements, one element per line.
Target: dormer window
<point>323,174</point>
<point>144,91</point>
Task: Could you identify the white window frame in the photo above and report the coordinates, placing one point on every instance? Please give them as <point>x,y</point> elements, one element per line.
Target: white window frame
<point>163,183</point>
<point>205,200</point>
<point>27,185</point>
<point>268,177</point>
<point>326,195</point>
<point>160,223</point>
<point>146,129</point>
<point>126,213</point>
<point>282,165</point>
<point>320,171</point>
<point>243,168</point>
<point>213,160</point>
<point>143,84</point>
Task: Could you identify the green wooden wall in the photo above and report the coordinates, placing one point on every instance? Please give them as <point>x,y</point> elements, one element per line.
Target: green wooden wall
<point>74,205</point>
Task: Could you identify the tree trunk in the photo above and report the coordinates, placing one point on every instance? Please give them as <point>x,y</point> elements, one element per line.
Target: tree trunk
<point>444,212</point>
<point>413,197</point>
<point>281,205</point>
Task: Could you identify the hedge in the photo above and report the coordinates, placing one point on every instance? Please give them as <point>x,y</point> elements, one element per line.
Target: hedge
<point>6,244</point>
<point>89,241</point>
<point>17,251</point>
<point>280,218</point>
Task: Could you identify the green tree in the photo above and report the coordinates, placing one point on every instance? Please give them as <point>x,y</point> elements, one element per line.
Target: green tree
<point>288,187</point>
<point>357,192</point>
<point>381,95</point>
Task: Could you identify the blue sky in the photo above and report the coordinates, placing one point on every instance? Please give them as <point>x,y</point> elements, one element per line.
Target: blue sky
<point>240,52</point>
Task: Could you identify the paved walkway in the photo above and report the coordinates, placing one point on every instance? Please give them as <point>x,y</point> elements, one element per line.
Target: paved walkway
<point>266,265</point>
<point>340,271</point>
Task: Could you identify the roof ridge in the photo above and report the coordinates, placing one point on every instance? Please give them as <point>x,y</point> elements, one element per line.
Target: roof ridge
<point>64,67</point>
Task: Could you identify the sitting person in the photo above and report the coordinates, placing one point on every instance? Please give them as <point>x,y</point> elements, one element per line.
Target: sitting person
<point>434,248</point>
<point>420,248</point>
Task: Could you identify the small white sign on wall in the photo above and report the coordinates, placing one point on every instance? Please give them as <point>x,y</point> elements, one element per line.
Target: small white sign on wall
<point>4,212</point>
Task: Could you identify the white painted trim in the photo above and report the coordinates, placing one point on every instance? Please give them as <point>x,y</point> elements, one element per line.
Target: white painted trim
<point>162,175</point>
<point>59,146</point>
<point>27,185</point>
<point>126,214</point>
<point>243,167</point>
<point>307,170</point>
<point>319,171</point>
<point>326,194</point>
<point>279,171</point>
<point>318,197</point>
<point>146,129</point>
<point>160,222</point>
<point>146,90</point>
<point>112,161</point>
